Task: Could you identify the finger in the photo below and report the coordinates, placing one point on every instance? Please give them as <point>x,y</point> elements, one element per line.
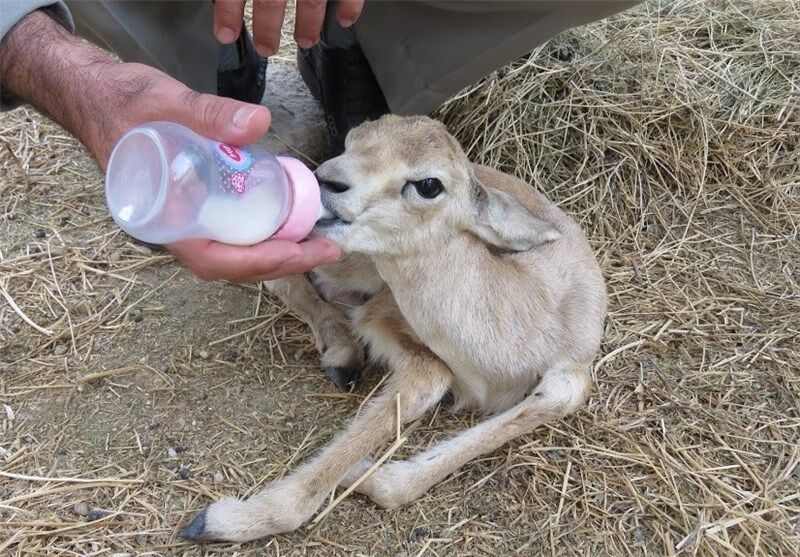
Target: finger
<point>267,23</point>
<point>308,22</point>
<point>348,11</point>
<point>228,16</point>
<point>219,118</point>
<point>315,253</point>
<point>212,260</point>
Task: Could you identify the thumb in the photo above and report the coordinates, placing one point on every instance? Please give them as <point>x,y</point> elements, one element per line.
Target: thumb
<point>222,119</point>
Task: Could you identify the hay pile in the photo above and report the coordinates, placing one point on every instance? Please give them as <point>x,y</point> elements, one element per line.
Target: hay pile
<point>670,132</point>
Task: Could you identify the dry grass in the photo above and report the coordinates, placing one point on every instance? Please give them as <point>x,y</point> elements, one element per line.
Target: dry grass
<point>670,131</point>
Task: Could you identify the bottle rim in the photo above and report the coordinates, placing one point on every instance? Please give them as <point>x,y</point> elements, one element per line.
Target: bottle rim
<point>120,151</point>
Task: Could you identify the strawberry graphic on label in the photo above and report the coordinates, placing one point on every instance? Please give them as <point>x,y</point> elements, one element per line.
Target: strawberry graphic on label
<point>238,181</point>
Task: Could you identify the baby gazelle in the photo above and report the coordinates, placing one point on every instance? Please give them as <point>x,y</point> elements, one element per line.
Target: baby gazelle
<point>459,278</point>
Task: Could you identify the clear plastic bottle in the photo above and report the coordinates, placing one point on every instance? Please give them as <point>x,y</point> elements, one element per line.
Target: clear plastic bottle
<point>165,183</point>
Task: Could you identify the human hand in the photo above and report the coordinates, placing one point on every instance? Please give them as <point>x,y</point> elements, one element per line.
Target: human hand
<point>268,19</point>
<point>268,260</point>
<point>99,99</point>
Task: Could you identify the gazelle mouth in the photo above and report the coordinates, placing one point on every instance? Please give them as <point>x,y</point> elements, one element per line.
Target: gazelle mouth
<point>331,219</point>
<point>332,222</point>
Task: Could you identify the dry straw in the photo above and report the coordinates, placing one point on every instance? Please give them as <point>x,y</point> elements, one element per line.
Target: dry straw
<point>671,132</point>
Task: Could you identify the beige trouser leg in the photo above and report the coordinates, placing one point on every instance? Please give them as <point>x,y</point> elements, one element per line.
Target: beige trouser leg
<point>174,36</point>
<point>423,52</point>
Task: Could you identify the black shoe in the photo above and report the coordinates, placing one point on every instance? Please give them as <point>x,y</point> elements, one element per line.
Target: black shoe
<point>241,71</point>
<point>342,80</point>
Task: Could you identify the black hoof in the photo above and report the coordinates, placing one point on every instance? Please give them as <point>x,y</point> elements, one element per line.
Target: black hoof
<point>345,378</point>
<point>449,399</point>
<point>194,530</point>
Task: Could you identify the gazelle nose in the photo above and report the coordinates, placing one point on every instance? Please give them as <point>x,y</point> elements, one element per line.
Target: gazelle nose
<point>333,187</point>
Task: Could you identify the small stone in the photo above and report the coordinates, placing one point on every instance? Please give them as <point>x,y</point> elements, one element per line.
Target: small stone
<point>218,477</point>
<point>172,453</point>
<point>179,448</point>
<point>96,514</point>
<point>80,508</point>
<point>63,220</point>
<point>565,54</point>
<point>419,534</point>
<point>184,473</point>
<point>203,354</point>
<point>139,318</point>
<point>60,349</point>
<point>40,233</point>
<point>232,355</point>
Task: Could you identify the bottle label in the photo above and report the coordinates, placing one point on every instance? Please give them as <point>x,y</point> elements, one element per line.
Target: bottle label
<point>234,166</point>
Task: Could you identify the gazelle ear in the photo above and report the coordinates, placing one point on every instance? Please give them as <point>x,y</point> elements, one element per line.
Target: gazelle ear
<point>505,223</point>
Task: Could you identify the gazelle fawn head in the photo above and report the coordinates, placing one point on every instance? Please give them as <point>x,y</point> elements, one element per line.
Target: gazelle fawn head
<point>404,185</point>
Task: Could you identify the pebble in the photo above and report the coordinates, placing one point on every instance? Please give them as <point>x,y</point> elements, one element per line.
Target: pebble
<point>96,514</point>
<point>60,349</point>
<point>80,508</point>
<point>203,354</point>
<point>218,477</point>
<point>419,534</point>
<point>232,355</point>
<point>172,453</point>
<point>184,473</point>
<point>40,233</point>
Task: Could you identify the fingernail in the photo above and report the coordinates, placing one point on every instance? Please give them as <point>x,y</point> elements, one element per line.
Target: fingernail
<point>242,116</point>
<point>226,35</point>
<point>264,50</point>
<point>305,43</point>
<point>347,22</point>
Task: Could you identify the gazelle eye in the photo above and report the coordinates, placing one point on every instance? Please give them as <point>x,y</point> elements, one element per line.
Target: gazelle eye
<point>428,188</point>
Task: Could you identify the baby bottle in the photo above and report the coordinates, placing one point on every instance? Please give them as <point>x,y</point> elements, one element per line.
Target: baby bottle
<point>166,183</point>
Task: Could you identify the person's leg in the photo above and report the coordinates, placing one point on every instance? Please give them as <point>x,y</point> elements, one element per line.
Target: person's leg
<point>423,52</point>
<point>340,78</point>
<point>176,37</point>
<point>173,36</point>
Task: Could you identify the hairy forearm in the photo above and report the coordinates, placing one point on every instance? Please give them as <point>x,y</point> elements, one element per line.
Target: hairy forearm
<point>73,82</point>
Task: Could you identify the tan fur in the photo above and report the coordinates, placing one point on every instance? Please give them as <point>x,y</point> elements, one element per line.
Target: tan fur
<point>489,291</point>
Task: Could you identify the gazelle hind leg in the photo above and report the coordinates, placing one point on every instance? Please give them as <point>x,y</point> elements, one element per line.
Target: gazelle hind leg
<point>561,391</point>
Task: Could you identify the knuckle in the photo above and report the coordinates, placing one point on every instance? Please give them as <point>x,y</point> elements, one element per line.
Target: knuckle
<point>313,4</point>
<point>213,114</point>
<point>294,254</point>
<point>190,97</point>
<point>269,4</point>
<point>229,9</point>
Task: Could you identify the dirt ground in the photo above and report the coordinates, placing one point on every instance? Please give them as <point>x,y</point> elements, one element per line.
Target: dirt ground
<point>137,393</point>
